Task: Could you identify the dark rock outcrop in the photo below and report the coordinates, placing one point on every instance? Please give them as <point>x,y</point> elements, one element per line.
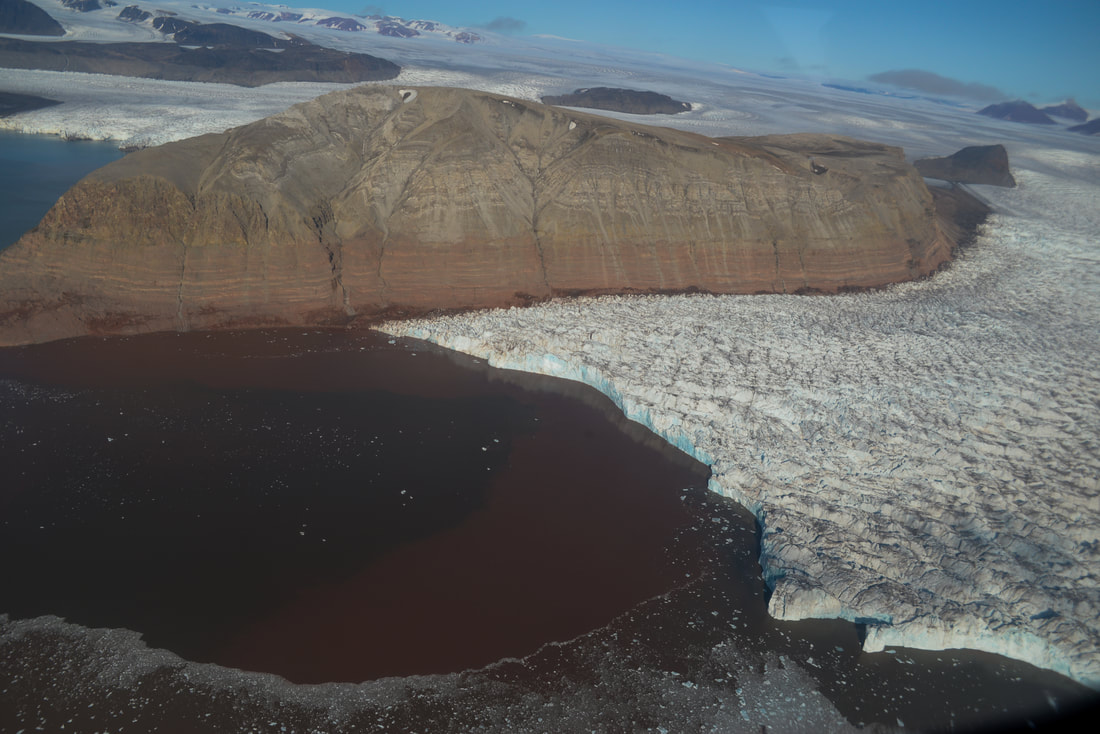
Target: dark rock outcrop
<point>1092,127</point>
<point>169,25</point>
<point>977,164</point>
<point>385,201</point>
<point>275,17</point>
<point>27,19</point>
<point>224,35</point>
<point>384,25</point>
<point>1068,110</point>
<point>12,103</point>
<point>249,67</point>
<point>134,14</point>
<point>83,6</point>
<point>620,100</point>
<point>342,24</point>
<point>394,29</point>
<point>1018,111</point>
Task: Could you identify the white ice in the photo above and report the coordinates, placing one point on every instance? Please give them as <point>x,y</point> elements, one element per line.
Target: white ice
<point>925,458</point>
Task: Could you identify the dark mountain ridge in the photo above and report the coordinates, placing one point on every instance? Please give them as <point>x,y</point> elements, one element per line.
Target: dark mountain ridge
<point>27,19</point>
<point>1017,111</point>
<point>1068,110</point>
<point>231,58</point>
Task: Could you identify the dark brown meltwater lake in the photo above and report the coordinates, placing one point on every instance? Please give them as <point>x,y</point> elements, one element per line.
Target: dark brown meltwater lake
<point>334,508</point>
<point>274,503</point>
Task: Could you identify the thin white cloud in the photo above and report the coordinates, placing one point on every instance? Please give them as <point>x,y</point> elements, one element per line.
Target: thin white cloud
<point>505,24</point>
<point>932,83</point>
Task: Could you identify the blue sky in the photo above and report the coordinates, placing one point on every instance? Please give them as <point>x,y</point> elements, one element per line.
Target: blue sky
<point>1038,50</point>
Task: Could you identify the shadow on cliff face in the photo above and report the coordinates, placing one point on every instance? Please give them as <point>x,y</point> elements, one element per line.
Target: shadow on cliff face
<point>961,213</point>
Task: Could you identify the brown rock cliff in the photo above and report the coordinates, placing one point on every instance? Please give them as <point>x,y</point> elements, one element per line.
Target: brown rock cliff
<point>977,164</point>
<point>382,200</point>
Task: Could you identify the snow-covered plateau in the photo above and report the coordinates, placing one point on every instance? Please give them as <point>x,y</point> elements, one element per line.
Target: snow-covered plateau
<point>924,459</point>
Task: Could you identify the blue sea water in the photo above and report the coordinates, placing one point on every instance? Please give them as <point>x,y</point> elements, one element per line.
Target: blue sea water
<point>37,169</point>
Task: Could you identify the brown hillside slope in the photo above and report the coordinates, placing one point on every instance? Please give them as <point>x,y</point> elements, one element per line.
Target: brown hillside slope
<point>382,200</point>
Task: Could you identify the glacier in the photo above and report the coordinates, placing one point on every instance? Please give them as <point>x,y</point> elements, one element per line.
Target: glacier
<point>923,459</point>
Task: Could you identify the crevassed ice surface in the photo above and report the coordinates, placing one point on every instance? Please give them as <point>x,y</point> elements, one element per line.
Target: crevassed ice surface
<point>924,458</point>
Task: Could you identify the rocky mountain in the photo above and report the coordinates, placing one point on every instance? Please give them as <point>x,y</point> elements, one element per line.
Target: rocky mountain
<point>134,14</point>
<point>170,25</point>
<point>977,164</point>
<point>1068,110</point>
<point>274,16</point>
<point>1092,127</point>
<point>1018,111</point>
<point>384,25</point>
<point>86,6</point>
<point>620,100</point>
<point>224,62</point>
<point>225,35</point>
<point>380,200</point>
<point>26,18</point>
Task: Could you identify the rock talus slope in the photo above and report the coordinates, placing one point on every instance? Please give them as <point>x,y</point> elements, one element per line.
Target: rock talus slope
<point>384,200</point>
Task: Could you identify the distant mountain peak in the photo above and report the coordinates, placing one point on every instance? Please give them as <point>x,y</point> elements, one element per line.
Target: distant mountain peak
<point>1017,111</point>
<point>1068,110</point>
<point>384,25</point>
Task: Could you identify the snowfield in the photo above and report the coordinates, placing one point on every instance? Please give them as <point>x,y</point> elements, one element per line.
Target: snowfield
<point>924,459</point>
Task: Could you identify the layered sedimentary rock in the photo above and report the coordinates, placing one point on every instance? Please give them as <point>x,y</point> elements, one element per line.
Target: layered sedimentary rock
<point>977,164</point>
<point>383,200</point>
<point>134,14</point>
